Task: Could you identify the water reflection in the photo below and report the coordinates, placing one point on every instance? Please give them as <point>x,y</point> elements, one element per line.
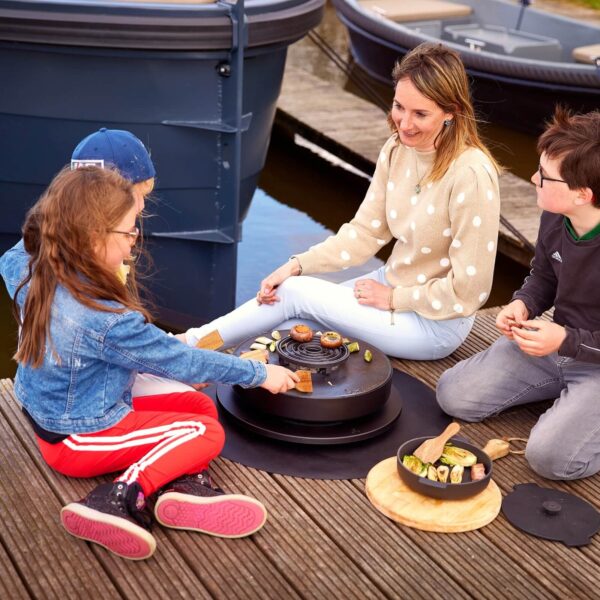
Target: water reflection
<point>272,233</point>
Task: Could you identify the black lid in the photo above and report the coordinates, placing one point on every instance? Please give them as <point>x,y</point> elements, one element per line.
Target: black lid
<point>551,514</point>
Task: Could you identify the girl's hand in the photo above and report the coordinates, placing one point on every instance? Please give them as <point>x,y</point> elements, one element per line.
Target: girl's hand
<point>512,314</point>
<point>200,386</point>
<point>268,286</point>
<point>279,379</point>
<point>369,292</point>
<point>539,338</point>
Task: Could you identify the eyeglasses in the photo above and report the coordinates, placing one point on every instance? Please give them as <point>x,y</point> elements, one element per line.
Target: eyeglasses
<point>544,178</point>
<point>132,235</point>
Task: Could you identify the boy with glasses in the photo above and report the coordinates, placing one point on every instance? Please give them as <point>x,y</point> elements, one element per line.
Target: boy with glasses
<point>538,359</point>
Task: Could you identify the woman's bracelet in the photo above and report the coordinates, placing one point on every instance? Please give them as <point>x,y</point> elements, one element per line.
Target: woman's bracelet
<point>299,265</point>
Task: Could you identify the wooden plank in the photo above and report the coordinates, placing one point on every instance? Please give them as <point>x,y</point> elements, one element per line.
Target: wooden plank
<point>314,565</point>
<point>359,130</point>
<point>48,563</point>
<point>384,552</point>
<point>176,567</point>
<point>12,585</point>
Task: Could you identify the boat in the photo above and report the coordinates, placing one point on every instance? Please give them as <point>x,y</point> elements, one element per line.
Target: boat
<point>197,81</point>
<point>522,61</point>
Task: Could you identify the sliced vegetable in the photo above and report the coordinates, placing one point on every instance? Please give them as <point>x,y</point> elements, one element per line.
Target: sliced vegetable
<point>453,455</point>
<point>368,356</point>
<point>258,346</point>
<point>413,464</point>
<point>456,474</point>
<point>272,346</point>
<point>353,347</point>
<point>263,340</point>
<point>276,335</point>
<point>345,341</point>
<point>432,473</point>
<point>442,472</point>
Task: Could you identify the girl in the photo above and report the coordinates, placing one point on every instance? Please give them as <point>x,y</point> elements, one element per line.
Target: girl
<point>435,195</point>
<point>84,336</point>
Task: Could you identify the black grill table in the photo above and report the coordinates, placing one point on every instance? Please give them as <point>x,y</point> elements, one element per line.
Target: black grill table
<point>352,399</point>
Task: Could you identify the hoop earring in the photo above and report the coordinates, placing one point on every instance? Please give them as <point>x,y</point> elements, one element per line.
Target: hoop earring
<point>447,122</point>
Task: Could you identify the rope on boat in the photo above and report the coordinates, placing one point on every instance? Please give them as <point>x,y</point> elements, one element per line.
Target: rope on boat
<point>361,82</point>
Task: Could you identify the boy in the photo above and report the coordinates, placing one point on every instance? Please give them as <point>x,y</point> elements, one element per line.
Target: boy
<point>538,359</point>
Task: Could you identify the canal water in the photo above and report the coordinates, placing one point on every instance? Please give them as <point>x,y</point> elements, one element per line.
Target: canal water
<point>302,198</point>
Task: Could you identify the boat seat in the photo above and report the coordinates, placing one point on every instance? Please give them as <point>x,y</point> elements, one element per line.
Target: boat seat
<point>587,54</point>
<point>508,42</point>
<point>416,10</point>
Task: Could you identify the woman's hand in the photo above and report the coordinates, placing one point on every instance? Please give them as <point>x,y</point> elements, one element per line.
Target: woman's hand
<point>268,286</point>
<point>279,379</point>
<point>369,292</point>
<point>539,338</point>
<point>512,314</point>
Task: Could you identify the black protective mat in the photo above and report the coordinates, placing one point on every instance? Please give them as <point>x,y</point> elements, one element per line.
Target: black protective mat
<point>420,416</point>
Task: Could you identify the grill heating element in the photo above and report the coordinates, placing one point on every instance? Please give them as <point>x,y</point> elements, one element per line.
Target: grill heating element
<point>311,355</point>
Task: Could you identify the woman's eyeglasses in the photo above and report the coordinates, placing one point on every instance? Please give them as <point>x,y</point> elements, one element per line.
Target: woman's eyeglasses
<point>544,178</point>
<point>132,235</point>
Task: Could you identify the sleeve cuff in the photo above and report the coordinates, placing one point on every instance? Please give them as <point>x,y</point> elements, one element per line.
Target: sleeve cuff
<point>260,375</point>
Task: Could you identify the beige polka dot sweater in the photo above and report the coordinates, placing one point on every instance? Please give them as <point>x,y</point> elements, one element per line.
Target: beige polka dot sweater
<point>442,262</point>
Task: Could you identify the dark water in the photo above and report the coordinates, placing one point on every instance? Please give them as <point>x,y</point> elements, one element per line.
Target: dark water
<point>301,198</point>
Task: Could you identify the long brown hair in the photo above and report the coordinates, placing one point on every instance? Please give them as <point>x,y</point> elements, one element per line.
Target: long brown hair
<point>61,233</point>
<point>439,74</point>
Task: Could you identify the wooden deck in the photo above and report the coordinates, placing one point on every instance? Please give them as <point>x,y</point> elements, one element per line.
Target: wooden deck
<point>354,130</point>
<point>322,540</point>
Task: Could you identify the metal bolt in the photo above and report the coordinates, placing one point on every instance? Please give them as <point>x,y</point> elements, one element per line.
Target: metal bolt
<point>224,69</point>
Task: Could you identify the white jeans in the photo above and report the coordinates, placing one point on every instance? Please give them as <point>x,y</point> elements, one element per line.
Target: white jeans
<point>333,306</point>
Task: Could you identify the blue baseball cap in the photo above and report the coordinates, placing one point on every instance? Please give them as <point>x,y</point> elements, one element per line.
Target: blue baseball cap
<point>118,148</point>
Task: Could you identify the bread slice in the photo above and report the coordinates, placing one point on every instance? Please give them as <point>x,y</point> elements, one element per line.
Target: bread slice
<point>211,341</point>
<point>305,384</point>
<point>261,355</point>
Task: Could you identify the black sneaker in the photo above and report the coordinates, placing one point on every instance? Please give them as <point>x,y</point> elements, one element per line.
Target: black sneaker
<point>113,516</point>
<point>193,503</point>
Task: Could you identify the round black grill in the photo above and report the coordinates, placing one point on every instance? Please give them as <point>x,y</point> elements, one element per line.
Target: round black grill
<point>311,355</point>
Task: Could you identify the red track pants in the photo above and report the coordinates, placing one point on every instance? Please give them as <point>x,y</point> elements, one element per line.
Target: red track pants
<point>164,437</point>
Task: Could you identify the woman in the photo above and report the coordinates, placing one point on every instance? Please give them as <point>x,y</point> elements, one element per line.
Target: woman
<point>435,192</point>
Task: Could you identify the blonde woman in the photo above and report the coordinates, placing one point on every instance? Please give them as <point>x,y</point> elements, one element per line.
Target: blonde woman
<point>434,194</point>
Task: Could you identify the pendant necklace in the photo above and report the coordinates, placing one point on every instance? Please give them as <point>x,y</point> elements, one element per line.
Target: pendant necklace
<point>418,186</point>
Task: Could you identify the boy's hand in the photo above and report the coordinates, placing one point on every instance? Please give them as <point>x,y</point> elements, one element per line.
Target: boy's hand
<point>540,338</point>
<point>512,314</point>
<point>279,379</point>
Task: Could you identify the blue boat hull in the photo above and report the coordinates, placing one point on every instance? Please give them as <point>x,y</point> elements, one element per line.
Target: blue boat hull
<point>180,104</point>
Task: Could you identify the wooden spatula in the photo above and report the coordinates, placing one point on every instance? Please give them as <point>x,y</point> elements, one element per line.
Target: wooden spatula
<point>430,450</point>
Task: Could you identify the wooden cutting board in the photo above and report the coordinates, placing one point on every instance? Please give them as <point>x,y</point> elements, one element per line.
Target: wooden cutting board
<point>390,495</point>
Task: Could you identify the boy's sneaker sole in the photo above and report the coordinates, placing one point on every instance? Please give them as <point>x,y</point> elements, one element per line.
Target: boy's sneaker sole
<point>114,533</point>
<point>229,515</point>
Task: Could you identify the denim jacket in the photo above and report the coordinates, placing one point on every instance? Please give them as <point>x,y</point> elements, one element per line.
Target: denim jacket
<point>92,358</point>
